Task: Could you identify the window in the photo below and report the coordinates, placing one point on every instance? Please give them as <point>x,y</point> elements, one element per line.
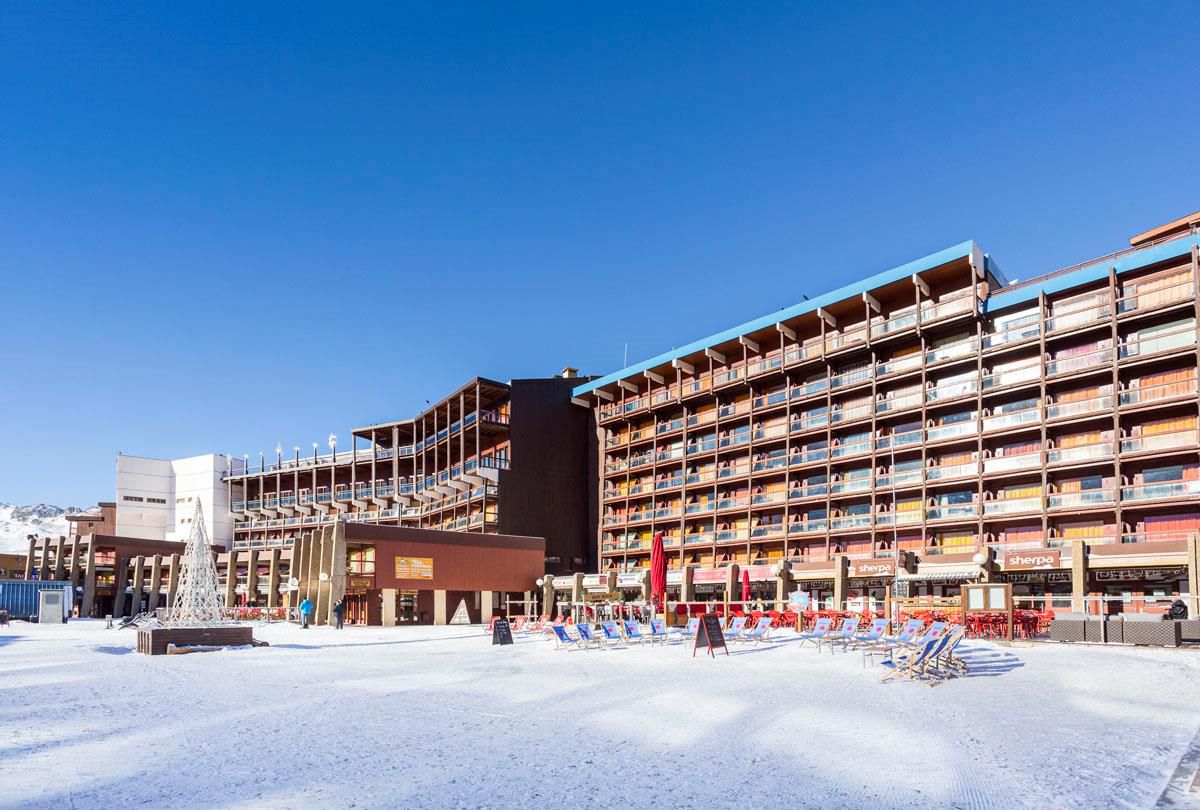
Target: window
<point>156,500</point>
<point>1160,474</point>
<point>131,498</point>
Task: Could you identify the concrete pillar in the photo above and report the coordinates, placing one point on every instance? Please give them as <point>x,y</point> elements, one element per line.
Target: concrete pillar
<point>389,607</point>
<point>1079,575</point>
<point>296,566</point>
<point>548,596</point>
<point>231,578</point>
<point>577,587</point>
<point>172,579</point>
<point>252,577</point>
<point>29,569</point>
<point>120,580</point>
<point>60,572</point>
<point>312,567</point>
<point>139,573</point>
<point>44,568</point>
<point>89,579</point>
<point>273,579</point>
<point>646,584</point>
<point>1193,565</point>
<point>783,586</point>
<point>841,579</point>
<point>485,605</point>
<point>687,590</point>
<point>152,593</point>
<point>441,608</point>
<point>333,563</point>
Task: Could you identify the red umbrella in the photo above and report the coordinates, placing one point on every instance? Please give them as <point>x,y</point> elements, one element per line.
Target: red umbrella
<point>658,570</point>
<point>745,585</point>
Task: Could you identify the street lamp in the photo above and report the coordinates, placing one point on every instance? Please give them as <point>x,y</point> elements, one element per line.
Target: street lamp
<point>314,452</point>
<point>333,446</point>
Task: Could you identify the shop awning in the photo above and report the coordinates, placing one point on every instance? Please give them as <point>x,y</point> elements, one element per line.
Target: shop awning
<point>948,574</point>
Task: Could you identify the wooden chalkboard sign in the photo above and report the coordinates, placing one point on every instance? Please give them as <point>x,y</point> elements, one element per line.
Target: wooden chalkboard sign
<point>709,635</point>
<point>501,632</point>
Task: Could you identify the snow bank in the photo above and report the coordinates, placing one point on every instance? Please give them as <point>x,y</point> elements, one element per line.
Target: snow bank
<point>437,717</point>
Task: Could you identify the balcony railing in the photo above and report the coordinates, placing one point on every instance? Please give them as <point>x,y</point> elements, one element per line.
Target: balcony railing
<point>951,306</point>
<point>1015,331</point>
<point>1077,500</point>
<point>900,403</point>
<point>1012,419</point>
<point>895,323</point>
<point>808,456</point>
<point>906,439</point>
<point>852,449</point>
<point>901,479</point>
<point>910,362</point>
<point>1082,312</point>
<point>1012,376</point>
<point>850,378</point>
<point>809,422</point>
<point>1080,362</point>
<point>1152,393</point>
<point>965,428</point>
<point>1165,489</point>
<point>810,491</point>
<point>958,510</point>
<point>1138,346</point>
<point>853,485</point>
<point>808,526</point>
<point>844,522</point>
<point>1082,452</point>
<point>1062,410</point>
<point>906,518</point>
<point>1161,441</point>
<point>851,414</point>
<point>1008,506</point>
<point>952,351</point>
<point>1184,289</point>
<point>939,393</point>
<point>1020,461</point>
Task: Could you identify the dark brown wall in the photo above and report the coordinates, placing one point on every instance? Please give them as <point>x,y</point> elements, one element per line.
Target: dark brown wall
<point>461,560</point>
<point>549,490</point>
<point>104,523</point>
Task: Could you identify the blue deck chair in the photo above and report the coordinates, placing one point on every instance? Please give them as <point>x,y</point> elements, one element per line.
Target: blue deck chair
<point>564,641</point>
<point>843,636</point>
<point>587,638</point>
<point>611,634</point>
<point>759,632</point>
<point>819,631</point>
<point>658,631</point>
<point>633,632</point>
<point>909,663</point>
<point>693,624</point>
<point>734,631</point>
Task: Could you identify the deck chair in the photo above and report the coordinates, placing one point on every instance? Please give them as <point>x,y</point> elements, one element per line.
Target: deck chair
<point>874,633</point>
<point>736,626</point>
<point>612,636</point>
<point>760,631</point>
<point>658,631</point>
<point>633,632</point>
<point>693,624</point>
<point>946,662</point>
<point>518,624</point>
<point>843,636</point>
<point>819,631</point>
<point>908,663</point>
<point>587,638</point>
<point>565,641</point>
<point>936,630</point>
<point>491,625</point>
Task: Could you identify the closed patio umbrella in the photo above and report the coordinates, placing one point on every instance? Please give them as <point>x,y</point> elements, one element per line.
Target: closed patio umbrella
<point>745,585</point>
<point>658,573</point>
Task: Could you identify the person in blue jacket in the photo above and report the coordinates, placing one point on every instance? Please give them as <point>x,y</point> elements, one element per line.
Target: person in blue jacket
<point>306,611</point>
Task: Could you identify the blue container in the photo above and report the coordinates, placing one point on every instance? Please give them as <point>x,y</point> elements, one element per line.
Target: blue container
<point>20,596</point>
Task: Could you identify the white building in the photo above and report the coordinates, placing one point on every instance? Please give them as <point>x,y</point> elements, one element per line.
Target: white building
<point>156,498</point>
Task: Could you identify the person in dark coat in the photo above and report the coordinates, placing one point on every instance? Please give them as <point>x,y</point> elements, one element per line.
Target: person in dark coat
<point>339,611</point>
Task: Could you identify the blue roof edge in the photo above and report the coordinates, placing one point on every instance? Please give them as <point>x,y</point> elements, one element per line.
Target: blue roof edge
<point>1093,271</point>
<point>944,256</point>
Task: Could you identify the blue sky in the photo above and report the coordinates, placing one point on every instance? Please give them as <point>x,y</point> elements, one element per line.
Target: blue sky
<point>226,226</point>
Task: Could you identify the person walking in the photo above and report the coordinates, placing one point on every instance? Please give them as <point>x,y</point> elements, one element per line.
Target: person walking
<point>339,611</point>
<point>306,611</point>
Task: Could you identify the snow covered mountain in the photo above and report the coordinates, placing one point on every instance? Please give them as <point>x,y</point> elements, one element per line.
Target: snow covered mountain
<point>18,522</point>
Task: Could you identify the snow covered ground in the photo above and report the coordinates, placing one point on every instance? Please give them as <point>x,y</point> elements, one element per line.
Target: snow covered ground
<point>437,717</point>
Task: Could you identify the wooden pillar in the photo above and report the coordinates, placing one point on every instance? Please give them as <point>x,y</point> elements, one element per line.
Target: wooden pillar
<point>89,578</point>
<point>152,593</point>
<point>252,577</point>
<point>139,572</point>
<point>120,580</point>
<point>231,577</point>
<point>1079,576</point>
<point>172,580</point>
<point>1193,578</point>
<point>59,565</point>
<point>73,569</point>
<point>44,567</point>
<point>841,580</point>
<point>273,579</point>
<point>29,567</point>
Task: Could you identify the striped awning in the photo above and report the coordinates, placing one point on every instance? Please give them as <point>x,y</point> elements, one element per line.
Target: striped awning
<point>944,575</point>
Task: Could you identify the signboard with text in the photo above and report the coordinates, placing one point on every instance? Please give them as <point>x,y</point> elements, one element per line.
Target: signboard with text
<point>414,568</point>
<point>709,635</point>
<point>873,568</point>
<point>1032,559</point>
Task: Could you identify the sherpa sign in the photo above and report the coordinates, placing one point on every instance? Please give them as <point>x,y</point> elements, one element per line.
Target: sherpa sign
<point>873,568</point>
<point>1029,560</point>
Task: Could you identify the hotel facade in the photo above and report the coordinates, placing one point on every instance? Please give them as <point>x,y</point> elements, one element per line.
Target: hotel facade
<point>931,425</point>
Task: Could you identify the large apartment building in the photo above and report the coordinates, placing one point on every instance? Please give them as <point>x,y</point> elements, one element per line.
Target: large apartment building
<point>930,425</point>
<point>498,458</point>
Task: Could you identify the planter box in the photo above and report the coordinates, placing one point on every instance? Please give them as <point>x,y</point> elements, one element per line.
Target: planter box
<point>1066,630</point>
<point>154,640</point>
<point>1155,634</point>
<point>1189,630</point>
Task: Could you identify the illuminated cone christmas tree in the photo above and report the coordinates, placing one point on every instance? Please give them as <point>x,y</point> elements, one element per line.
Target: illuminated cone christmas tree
<point>198,597</point>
